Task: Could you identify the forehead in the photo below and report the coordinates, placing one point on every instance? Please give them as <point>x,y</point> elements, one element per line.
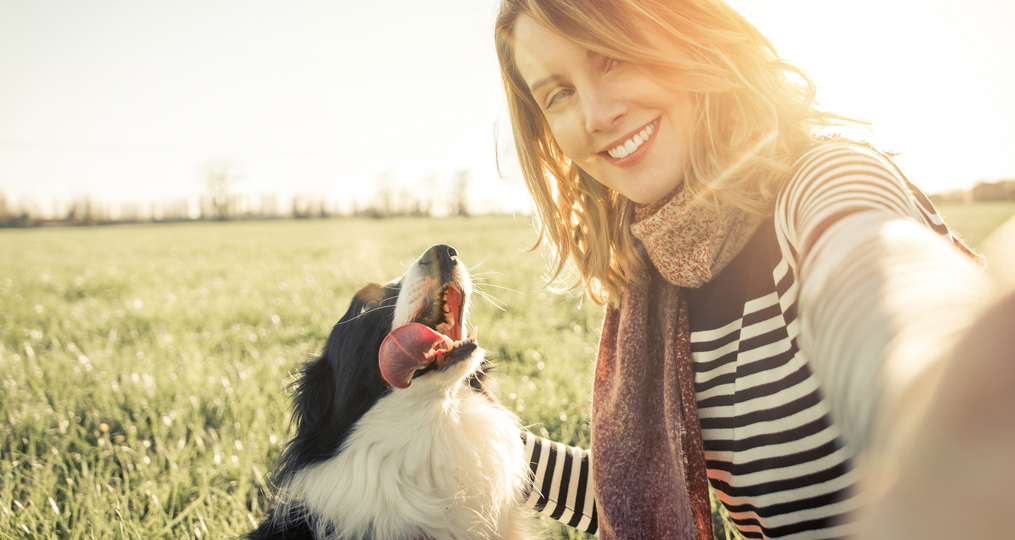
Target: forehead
<point>541,53</point>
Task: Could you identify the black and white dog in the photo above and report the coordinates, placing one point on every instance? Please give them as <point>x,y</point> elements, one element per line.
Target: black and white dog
<point>396,436</point>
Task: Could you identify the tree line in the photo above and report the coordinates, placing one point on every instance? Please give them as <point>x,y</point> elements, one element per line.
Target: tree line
<point>220,202</point>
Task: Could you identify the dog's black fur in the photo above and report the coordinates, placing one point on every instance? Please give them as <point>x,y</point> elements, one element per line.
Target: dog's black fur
<point>332,393</point>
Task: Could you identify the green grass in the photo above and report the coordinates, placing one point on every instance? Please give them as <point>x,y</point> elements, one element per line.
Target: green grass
<point>143,368</point>
<point>975,221</point>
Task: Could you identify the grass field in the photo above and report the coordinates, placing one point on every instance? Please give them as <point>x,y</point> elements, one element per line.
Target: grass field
<point>975,222</point>
<point>143,368</point>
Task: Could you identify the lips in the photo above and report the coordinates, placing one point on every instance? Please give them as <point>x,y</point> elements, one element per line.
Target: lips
<point>630,148</point>
<point>416,347</point>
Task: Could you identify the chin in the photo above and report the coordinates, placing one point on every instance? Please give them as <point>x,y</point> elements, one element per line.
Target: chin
<point>396,434</point>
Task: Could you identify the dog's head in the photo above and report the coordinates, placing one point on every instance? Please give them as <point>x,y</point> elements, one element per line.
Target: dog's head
<point>402,336</point>
<point>428,323</point>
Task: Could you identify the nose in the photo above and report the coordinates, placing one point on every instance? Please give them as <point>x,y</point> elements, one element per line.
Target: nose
<point>602,107</point>
<point>444,255</point>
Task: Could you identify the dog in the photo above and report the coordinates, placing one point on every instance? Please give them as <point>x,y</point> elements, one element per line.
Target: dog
<point>396,433</point>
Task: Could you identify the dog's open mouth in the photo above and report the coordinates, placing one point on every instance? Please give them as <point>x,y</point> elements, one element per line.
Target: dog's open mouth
<point>417,348</point>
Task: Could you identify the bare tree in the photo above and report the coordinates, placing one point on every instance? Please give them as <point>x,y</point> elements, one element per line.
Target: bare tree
<point>384,196</point>
<point>460,194</point>
<point>218,178</point>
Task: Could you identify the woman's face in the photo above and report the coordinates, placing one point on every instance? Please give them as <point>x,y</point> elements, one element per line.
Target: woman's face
<point>607,117</point>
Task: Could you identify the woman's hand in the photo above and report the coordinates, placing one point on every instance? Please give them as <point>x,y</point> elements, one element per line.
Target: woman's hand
<point>957,479</point>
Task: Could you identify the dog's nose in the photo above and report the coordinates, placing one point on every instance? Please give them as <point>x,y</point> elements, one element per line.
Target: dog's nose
<point>444,255</point>
<point>447,255</point>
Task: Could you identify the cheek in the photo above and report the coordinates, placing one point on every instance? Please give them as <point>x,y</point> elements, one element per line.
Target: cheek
<point>568,135</point>
<point>682,111</point>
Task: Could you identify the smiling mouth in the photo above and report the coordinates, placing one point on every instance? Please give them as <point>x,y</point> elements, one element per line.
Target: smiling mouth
<point>632,144</point>
<point>429,343</point>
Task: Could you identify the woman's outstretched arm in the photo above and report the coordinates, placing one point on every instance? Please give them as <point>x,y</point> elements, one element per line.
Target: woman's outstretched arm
<point>884,297</point>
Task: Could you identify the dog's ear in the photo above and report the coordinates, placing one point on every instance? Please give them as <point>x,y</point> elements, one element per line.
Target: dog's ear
<point>320,382</point>
<point>334,390</point>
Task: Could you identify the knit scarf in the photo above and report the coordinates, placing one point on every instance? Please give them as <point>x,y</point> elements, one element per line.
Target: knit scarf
<point>649,465</point>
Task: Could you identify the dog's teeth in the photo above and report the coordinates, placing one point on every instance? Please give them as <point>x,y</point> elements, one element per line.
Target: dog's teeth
<point>475,332</point>
<point>447,342</point>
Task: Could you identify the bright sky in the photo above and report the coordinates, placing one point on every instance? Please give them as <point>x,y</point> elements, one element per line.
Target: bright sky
<point>125,100</point>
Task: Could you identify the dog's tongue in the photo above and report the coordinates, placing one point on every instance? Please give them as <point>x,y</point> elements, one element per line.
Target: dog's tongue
<point>405,350</point>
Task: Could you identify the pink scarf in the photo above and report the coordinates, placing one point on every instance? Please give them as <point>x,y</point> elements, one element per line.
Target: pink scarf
<point>649,465</point>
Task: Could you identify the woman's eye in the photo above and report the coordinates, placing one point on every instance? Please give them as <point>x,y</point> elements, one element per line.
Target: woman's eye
<point>612,63</point>
<point>558,96</point>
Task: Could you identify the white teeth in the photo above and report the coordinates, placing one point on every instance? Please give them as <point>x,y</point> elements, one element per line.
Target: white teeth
<point>475,332</point>
<point>632,144</point>
<point>448,343</point>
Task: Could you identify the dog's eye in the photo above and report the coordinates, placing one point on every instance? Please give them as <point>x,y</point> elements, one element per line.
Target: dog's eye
<point>368,307</point>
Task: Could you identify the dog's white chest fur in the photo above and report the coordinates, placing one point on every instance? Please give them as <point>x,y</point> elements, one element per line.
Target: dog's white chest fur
<point>422,463</point>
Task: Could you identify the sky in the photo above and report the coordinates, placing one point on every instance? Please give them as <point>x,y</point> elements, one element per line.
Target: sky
<point>127,101</point>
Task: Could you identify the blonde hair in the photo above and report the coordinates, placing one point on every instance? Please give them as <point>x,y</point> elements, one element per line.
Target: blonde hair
<point>750,122</point>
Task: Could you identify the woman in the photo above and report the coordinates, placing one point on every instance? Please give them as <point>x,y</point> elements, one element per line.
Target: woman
<point>775,296</point>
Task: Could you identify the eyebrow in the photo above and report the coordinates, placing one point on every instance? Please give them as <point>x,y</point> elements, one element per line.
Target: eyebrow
<point>554,78</point>
<point>543,82</point>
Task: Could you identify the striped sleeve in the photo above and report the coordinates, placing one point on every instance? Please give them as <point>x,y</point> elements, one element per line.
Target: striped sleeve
<point>836,180</point>
<point>882,297</point>
<point>562,485</point>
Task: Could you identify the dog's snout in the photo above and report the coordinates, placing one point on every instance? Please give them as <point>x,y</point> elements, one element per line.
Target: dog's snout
<point>445,257</point>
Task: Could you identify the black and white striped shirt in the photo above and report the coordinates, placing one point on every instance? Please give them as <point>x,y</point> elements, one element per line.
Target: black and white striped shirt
<point>790,344</point>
